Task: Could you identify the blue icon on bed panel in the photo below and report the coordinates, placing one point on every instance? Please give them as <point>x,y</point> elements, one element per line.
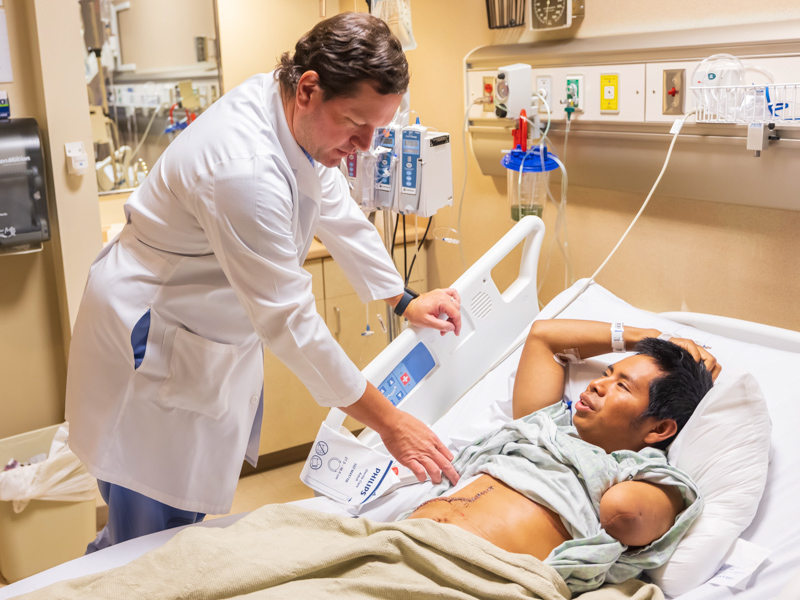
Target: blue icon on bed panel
<point>410,371</point>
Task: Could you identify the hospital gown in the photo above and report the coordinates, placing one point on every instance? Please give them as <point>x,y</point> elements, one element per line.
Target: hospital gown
<point>542,457</point>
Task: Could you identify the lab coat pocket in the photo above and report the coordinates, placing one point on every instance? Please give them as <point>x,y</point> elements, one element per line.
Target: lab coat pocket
<point>198,375</point>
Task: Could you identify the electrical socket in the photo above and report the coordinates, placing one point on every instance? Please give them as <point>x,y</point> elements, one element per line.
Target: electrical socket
<point>673,92</point>
<point>545,82</point>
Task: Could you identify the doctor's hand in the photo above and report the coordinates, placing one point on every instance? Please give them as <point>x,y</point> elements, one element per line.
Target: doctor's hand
<point>415,446</point>
<point>424,311</point>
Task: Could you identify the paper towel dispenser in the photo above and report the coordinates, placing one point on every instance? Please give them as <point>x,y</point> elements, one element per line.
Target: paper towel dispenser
<point>24,223</point>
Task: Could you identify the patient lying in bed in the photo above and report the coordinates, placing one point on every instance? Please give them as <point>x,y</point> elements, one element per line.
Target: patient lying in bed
<point>548,484</point>
<point>590,492</point>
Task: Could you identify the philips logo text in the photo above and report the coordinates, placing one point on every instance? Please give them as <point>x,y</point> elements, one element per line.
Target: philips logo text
<point>372,479</point>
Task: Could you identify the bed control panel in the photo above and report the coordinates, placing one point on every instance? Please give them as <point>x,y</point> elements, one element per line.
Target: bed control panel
<point>407,374</point>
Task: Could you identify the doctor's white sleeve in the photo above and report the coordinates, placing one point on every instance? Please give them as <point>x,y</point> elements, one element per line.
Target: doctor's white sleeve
<point>245,207</point>
<point>354,242</point>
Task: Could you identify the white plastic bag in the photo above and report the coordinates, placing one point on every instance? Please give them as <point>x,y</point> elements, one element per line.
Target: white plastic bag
<point>397,15</point>
<point>61,477</point>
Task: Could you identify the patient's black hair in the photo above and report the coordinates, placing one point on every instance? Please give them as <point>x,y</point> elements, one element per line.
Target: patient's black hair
<point>676,394</point>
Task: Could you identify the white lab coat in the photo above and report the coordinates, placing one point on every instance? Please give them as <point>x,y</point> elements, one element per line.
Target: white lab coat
<point>213,248</point>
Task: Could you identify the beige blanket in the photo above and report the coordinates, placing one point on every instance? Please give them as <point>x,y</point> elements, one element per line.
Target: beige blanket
<point>282,551</point>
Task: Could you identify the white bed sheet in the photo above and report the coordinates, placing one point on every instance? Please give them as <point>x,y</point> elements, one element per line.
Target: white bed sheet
<point>487,405</point>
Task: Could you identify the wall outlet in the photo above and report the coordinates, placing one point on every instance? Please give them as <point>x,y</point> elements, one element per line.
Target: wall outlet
<point>673,92</point>
<point>544,83</point>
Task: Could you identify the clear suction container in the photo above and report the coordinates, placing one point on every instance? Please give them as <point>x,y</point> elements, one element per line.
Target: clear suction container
<point>528,178</point>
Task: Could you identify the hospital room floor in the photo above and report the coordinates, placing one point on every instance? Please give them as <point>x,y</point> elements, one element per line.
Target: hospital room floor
<point>270,487</point>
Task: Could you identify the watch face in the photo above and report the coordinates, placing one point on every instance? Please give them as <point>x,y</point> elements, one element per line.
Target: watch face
<point>550,13</point>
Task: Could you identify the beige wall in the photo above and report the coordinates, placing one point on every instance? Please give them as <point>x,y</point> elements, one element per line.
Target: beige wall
<point>254,33</point>
<point>40,293</point>
<point>736,261</point>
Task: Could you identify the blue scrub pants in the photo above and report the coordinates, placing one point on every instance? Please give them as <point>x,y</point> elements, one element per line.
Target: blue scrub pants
<point>131,515</point>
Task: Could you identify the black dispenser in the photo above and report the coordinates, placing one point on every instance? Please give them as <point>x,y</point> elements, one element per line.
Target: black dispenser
<point>24,222</point>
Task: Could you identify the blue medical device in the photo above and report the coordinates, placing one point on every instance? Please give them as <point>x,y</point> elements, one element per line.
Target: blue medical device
<point>412,138</point>
<point>407,374</point>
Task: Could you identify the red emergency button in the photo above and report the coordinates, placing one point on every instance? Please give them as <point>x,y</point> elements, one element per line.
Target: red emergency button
<point>404,379</point>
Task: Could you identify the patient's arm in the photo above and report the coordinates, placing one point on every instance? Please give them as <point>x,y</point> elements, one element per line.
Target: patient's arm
<point>540,379</point>
<point>637,512</point>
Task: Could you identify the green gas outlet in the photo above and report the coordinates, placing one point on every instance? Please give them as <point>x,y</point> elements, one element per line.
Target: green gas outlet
<point>575,92</point>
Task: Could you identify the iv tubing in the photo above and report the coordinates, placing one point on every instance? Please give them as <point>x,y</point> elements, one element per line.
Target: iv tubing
<point>591,279</point>
<point>561,218</point>
<point>146,131</point>
<point>549,115</point>
<point>636,218</point>
<point>464,183</point>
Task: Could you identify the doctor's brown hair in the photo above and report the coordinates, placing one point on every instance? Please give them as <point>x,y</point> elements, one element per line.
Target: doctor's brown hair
<point>345,50</point>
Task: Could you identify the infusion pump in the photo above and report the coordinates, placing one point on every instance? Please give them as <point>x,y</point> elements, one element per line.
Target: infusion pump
<point>407,170</point>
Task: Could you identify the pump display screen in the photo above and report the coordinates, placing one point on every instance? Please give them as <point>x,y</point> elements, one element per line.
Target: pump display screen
<point>412,144</point>
<point>407,374</point>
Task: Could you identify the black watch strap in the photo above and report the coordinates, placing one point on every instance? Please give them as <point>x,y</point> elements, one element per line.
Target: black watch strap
<point>408,296</point>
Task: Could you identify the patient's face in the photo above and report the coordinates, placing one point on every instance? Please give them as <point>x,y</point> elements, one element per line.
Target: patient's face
<point>608,411</point>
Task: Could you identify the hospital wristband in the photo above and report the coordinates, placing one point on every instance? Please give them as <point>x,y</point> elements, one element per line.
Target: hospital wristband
<point>618,337</point>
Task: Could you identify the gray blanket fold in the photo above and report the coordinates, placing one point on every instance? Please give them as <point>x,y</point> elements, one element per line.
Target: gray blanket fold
<point>282,551</point>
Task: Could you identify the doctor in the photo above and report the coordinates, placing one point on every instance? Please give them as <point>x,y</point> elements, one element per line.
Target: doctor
<point>165,379</point>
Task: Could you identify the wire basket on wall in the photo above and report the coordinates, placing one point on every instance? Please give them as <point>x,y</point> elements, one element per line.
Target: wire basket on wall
<point>771,103</point>
<point>505,13</point>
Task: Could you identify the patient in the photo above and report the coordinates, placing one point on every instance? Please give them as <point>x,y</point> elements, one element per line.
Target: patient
<point>591,495</point>
<point>549,477</point>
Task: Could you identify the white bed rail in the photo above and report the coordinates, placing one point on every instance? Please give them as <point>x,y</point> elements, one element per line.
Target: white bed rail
<point>490,321</point>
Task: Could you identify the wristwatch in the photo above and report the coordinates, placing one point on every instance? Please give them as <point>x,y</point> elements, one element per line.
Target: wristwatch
<point>408,296</point>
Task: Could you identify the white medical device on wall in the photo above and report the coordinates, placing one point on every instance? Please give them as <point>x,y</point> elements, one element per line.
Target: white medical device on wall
<point>513,88</point>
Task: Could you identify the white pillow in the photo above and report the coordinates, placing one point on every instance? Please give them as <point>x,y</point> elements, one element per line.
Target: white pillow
<point>724,448</point>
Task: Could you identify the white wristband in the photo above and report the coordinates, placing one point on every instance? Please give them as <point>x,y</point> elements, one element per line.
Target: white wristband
<point>618,337</point>
<point>665,336</point>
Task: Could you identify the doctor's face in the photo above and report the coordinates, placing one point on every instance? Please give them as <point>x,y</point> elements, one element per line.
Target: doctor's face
<point>331,129</point>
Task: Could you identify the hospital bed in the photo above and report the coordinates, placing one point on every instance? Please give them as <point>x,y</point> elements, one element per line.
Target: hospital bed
<point>465,393</point>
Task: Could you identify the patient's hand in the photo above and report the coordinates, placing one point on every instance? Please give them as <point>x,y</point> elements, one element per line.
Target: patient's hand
<point>700,354</point>
<point>637,513</point>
